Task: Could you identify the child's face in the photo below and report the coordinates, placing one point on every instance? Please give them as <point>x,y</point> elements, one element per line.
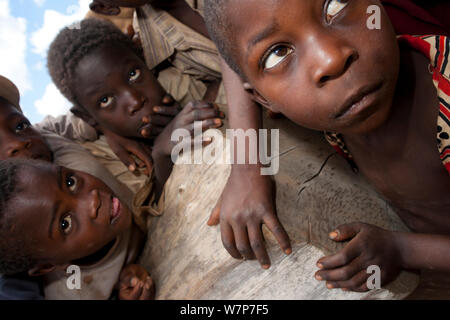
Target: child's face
<point>68,214</point>
<point>117,89</point>
<point>317,62</point>
<point>18,139</point>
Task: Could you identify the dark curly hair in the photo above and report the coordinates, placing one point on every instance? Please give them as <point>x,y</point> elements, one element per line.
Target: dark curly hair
<point>75,42</point>
<point>16,250</point>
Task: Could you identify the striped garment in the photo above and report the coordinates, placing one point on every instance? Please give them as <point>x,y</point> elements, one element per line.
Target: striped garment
<point>437,49</point>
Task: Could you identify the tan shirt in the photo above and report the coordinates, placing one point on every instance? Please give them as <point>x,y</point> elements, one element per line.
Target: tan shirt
<point>194,58</point>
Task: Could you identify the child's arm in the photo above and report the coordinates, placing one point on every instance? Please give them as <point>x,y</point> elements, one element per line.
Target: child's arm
<point>183,12</point>
<point>247,196</point>
<point>210,116</point>
<point>390,251</point>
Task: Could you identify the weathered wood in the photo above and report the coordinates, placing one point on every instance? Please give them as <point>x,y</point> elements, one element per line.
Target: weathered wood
<point>315,192</point>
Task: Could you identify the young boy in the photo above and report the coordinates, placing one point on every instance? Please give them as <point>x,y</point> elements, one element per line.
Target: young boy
<point>175,42</point>
<point>20,140</point>
<point>101,72</point>
<point>75,220</point>
<point>338,75</point>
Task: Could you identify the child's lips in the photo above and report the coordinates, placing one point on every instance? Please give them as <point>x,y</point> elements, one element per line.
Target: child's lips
<point>359,101</point>
<point>116,207</point>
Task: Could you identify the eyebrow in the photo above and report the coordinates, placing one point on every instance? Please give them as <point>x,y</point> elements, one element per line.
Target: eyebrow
<point>95,88</point>
<point>264,34</point>
<point>56,206</point>
<point>14,115</point>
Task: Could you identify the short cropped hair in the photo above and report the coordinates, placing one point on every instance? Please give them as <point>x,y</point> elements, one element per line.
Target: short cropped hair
<point>77,41</point>
<point>221,33</point>
<point>16,250</point>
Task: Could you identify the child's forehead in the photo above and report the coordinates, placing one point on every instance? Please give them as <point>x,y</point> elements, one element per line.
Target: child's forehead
<point>110,55</point>
<point>38,173</point>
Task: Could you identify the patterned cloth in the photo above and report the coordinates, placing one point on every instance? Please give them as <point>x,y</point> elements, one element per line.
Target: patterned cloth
<point>437,49</point>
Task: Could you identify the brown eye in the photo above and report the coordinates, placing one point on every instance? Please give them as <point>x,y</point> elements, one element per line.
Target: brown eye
<point>66,224</point>
<point>276,56</point>
<point>334,7</point>
<point>22,126</point>
<point>105,102</point>
<point>71,183</point>
<point>134,74</point>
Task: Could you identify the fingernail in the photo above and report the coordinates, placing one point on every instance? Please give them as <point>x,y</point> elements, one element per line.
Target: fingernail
<point>288,251</point>
<point>318,277</point>
<point>208,139</point>
<point>329,286</point>
<point>266,266</point>
<point>145,119</point>
<point>147,286</point>
<point>134,282</point>
<point>333,234</point>
<point>217,121</point>
<point>320,265</point>
<point>157,109</point>
<point>131,167</point>
<point>167,99</point>
<point>144,132</point>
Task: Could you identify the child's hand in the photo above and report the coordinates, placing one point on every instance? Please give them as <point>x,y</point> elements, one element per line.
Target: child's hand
<point>135,284</point>
<point>245,204</point>
<point>369,245</point>
<point>124,148</point>
<point>208,113</point>
<point>162,115</point>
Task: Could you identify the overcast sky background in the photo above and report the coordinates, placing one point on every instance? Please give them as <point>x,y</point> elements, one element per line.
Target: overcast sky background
<point>27,27</point>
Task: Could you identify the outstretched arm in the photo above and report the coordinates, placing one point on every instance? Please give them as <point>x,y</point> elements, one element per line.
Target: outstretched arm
<point>247,200</point>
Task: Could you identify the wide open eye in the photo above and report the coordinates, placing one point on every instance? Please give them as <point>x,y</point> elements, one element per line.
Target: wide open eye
<point>334,7</point>
<point>66,224</point>
<point>276,56</point>
<point>72,183</point>
<point>134,74</point>
<point>22,125</point>
<point>105,102</point>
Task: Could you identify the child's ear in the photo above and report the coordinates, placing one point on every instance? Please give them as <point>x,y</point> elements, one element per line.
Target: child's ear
<point>103,9</point>
<point>259,98</point>
<point>84,115</point>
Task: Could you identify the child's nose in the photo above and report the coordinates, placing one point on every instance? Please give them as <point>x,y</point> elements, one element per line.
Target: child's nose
<point>135,102</point>
<point>333,58</point>
<point>94,204</point>
<point>16,147</point>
